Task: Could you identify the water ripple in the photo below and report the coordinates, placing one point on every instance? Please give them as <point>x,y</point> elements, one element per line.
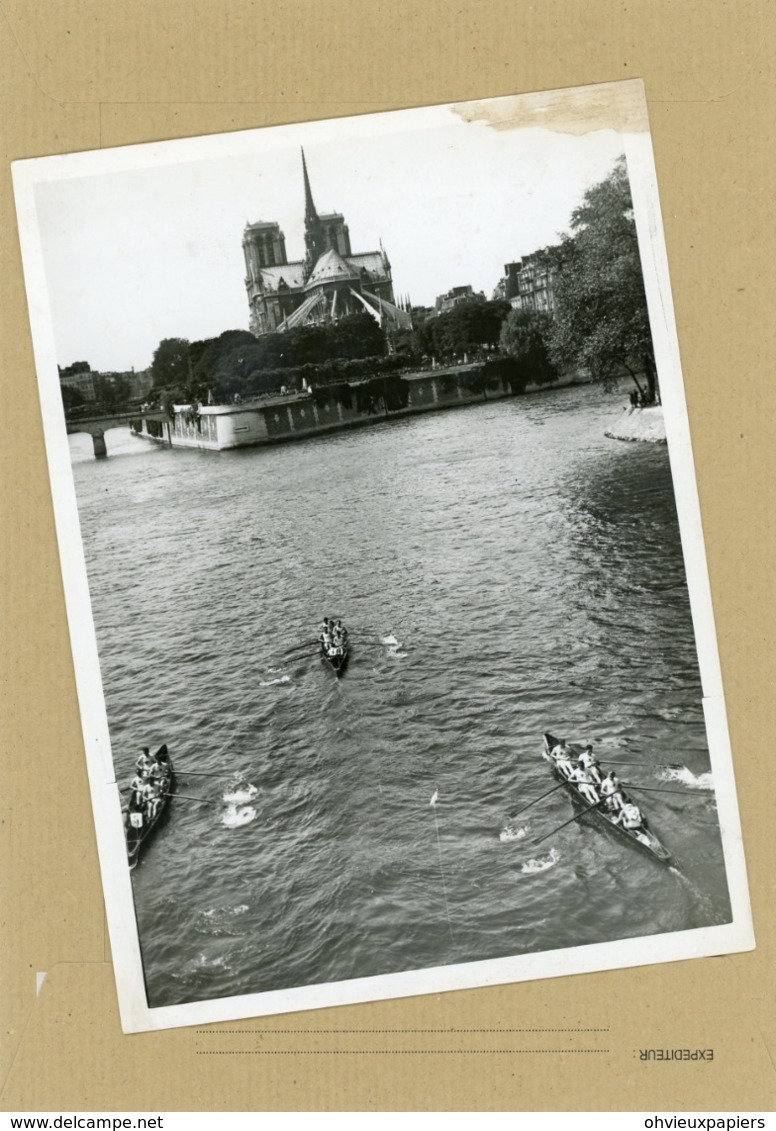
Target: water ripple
<point>504,570</point>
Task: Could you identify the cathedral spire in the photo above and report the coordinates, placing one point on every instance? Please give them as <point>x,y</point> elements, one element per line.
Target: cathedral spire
<point>313,230</point>
<point>309,206</point>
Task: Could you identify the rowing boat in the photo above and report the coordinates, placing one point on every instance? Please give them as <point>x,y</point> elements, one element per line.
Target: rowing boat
<point>643,836</point>
<point>336,658</point>
<point>138,837</point>
<point>334,645</point>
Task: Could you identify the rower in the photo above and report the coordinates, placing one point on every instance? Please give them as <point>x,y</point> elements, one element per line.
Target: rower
<point>630,816</point>
<point>158,773</point>
<point>584,784</point>
<point>144,762</point>
<point>135,815</point>
<point>562,757</point>
<point>588,762</point>
<point>611,791</point>
<point>151,801</point>
<point>137,785</point>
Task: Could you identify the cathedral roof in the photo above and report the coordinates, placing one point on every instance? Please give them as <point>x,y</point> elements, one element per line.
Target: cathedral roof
<point>291,273</point>
<point>372,261</point>
<point>330,268</point>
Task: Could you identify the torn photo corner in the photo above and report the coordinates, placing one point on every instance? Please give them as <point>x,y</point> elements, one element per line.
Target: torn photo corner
<point>396,663</point>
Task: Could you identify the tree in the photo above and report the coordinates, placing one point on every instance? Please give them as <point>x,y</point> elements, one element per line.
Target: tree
<point>601,321</point>
<point>524,336</point>
<point>356,335</point>
<point>71,398</point>
<point>402,343</point>
<point>170,365</point>
<point>111,389</point>
<point>214,359</point>
<point>467,327</point>
<point>76,367</point>
<point>422,338</point>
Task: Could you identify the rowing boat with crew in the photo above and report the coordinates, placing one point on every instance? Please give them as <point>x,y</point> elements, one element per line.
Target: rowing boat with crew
<point>336,658</point>
<point>641,835</point>
<point>144,816</point>
<point>334,646</point>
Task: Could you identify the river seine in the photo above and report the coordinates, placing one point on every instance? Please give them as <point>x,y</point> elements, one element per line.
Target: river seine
<point>503,569</point>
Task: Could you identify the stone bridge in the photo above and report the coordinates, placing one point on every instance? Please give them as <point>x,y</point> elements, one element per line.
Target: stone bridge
<point>97,426</point>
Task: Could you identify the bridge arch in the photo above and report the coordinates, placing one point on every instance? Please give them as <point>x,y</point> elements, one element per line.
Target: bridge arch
<point>97,426</point>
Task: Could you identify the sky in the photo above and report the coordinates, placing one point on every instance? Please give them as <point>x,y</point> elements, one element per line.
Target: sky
<point>146,244</point>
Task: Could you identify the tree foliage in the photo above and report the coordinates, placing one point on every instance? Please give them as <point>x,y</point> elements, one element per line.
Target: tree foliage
<point>601,321</point>
<point>403,343</point>
<point>238,362</point>
<point>211,359</point>
<point>357,335</point>
<point>111,389</point>
<point>71,398</point>
<point>524,336</point>
<point>76,367</point>
<point>237,358</point>
<point>464,329</point>
<point>170,364</point>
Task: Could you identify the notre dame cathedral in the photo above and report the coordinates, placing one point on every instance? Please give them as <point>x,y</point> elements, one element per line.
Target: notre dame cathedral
<point>329,283</point>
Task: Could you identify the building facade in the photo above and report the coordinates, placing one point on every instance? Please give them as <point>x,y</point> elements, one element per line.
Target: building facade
<point>83,383</point>
<point>91,384</point>
<point>527,284</point>
<point>457,296</point>
<point>329,283</point>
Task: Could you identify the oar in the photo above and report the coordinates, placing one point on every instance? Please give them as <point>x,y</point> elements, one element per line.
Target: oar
<point>665,765</point>
<point>299,647</point>
<point>657,789</point>
<point>539,798</point>
<point>187,797</point>
<point>300,654</point>
<point>202,774</point>
<point>575,818</point>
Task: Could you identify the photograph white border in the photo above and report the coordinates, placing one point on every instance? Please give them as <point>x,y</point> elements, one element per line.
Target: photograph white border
<point>601,100</point>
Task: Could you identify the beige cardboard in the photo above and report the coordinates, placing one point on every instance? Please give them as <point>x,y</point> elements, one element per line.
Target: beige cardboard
<point>80,75</point>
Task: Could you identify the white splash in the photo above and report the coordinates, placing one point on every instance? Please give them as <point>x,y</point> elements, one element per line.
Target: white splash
<point>511,834</point>
<point>272,682</point>
<point>688,778</point>
<point>202,962</point>
<point>394,647</point>
<point>240,796</point>
<point>223,912</point>
<point>234,817</point>
<point>541,864</point>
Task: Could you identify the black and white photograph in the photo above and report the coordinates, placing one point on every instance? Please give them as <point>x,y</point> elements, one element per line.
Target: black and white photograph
<point>382,555</point>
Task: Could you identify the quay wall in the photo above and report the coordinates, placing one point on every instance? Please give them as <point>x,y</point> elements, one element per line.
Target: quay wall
<point>329,409</point>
